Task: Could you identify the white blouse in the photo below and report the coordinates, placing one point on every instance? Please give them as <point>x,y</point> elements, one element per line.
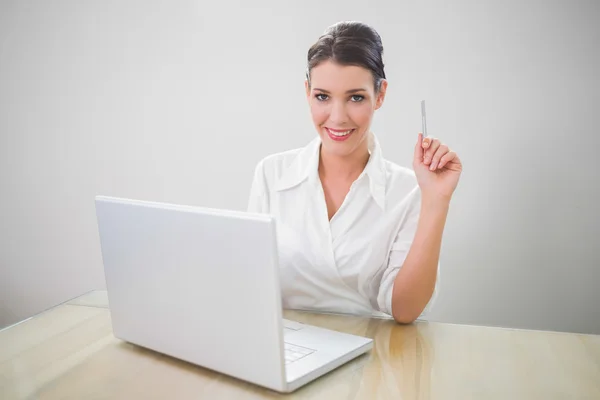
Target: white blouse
<point>346,265</point>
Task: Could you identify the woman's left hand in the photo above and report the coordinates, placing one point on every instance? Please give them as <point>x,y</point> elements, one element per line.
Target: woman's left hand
<point>437,168</point>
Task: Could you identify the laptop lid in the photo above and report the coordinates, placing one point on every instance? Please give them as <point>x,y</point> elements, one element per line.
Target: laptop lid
<point>195,283</point>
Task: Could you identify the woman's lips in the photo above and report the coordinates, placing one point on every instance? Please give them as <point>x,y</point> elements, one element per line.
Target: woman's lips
<point>339,135</point>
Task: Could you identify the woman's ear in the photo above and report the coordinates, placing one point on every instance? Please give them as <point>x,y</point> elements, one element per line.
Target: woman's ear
<point>307,88</point>
<point>381,94</point>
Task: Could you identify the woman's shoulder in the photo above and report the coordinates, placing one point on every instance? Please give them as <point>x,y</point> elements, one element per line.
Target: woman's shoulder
<point>287,167</point>
<point>272,165</point>
<point>398,175</point>
<point>278,161</point>
<point>402,188</point>
<point>274,168</point>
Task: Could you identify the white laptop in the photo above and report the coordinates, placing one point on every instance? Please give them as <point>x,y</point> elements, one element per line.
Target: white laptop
<point>202,285</point>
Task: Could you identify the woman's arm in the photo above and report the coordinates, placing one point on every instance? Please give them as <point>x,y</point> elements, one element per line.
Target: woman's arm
<point>415,281</point>
<point>438,170</point>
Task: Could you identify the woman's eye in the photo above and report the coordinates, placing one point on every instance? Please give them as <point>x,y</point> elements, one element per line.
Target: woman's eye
<point>321,97</point>
<point>357,98</point>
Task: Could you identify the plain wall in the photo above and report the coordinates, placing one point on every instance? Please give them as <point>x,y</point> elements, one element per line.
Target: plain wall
<point>176,101</point>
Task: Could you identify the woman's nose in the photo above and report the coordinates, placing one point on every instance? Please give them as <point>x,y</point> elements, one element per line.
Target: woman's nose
<point>338,114</point>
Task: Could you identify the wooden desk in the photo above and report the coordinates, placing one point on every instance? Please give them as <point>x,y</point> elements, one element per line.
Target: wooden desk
<point>68,352</point>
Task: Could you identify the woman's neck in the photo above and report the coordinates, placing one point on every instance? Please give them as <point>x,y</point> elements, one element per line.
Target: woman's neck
<point>346,168</point>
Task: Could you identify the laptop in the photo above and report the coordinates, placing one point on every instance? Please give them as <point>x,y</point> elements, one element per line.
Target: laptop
<point>202,285</point>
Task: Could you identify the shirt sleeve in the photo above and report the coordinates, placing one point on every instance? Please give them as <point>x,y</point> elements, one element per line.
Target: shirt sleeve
<point>258,201</point>
<point>399,250</point>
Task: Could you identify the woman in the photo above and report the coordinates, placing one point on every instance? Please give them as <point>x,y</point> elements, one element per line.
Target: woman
<point>356,233</point>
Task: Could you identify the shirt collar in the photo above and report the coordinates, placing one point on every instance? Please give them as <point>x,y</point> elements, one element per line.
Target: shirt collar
<point>305,166</point>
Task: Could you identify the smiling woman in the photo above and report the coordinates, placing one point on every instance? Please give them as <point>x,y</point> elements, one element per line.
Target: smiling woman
<point>357,234</point>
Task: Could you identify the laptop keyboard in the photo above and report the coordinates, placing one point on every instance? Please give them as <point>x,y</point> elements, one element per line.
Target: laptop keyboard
<point>295,353</point>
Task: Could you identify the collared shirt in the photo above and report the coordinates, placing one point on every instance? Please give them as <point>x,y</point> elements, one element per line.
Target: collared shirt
<point>347,264</point>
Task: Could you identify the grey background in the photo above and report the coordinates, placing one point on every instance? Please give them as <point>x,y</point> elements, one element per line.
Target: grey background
<point>177,100</point>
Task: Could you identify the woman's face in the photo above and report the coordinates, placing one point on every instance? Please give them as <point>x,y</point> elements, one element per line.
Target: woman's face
<point>342,102</point>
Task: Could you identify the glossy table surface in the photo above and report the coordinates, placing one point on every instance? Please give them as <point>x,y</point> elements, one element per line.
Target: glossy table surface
<point>69,352</point>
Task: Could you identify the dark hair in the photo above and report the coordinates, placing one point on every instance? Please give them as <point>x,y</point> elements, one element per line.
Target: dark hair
<point>349,43</point>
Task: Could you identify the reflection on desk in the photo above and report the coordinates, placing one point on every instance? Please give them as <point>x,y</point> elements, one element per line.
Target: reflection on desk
<point>69,352</point>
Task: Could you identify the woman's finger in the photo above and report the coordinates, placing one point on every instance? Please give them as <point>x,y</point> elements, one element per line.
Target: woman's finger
<point>441,151</point>
<point>426,143</point>
<point>448,157</point>
<point>431,149</point>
